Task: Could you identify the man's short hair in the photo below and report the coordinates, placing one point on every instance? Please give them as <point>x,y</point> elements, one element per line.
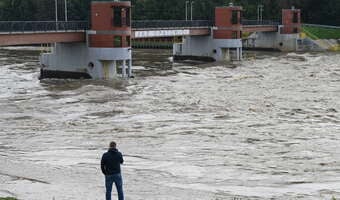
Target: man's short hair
<point>113,144</point>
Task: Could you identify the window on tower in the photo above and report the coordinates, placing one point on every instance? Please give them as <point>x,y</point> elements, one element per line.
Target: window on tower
<point>234,18</point>
<point>117,16</point>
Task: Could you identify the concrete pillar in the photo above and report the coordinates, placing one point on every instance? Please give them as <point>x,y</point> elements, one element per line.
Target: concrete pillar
<point>108,69</point>
<point>124,69</point>
<point>229,55</point>
<point>241,54</point>
<point>114,67</point>
<point>237,53</point>
<point>130,68</point>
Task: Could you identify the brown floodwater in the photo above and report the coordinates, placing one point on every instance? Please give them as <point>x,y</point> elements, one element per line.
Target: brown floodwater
<point>265,128</point>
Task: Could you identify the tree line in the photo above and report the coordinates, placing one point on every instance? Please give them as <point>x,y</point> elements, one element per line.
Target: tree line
<point>43,10</point>
<point>313,11</point>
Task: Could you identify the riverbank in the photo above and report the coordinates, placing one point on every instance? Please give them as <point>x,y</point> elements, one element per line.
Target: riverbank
<point>325,37</point>
<point>322,32</point>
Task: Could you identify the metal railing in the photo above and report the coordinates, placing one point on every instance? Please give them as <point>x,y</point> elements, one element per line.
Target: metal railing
<point>257,22</point>
<point>322,26</point>
<point>42,26</point>
<point>170,23</point>
<point>194,23</point>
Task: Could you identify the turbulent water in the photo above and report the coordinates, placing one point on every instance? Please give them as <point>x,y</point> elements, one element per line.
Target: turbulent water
<point>265,128</point>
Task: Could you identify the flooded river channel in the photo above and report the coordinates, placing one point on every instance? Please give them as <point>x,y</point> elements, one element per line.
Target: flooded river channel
<point>266,128</point>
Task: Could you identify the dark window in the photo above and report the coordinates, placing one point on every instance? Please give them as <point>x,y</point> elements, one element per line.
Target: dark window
<point>117,16</point>
<point>241,18</point>
<point>128,18</point>
<point>234,35</point>
<point>295,17</point>
<point>128,40</point>
<point>234,18</point>
<point>296,30</point>
<point>117,41</point>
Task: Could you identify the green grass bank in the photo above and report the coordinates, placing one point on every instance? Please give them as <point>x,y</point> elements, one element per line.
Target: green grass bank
<point>315,32</point>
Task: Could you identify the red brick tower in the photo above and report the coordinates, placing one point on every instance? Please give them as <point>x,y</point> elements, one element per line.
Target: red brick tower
<point>109,39</point>
<point>227,33</point>
<point>112,23</point>
<point>228,22</point>
<point>291,21</point>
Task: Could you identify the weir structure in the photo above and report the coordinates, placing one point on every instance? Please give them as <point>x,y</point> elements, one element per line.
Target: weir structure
<point>102,50</point>
<point>107,48</point>
<point>224,42</point>
<point>285,38</point>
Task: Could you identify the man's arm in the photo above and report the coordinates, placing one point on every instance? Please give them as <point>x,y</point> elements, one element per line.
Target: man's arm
<point>121,158</point>
<point>102,165</point>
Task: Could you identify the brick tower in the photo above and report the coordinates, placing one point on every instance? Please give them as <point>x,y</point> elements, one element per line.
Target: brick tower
<point>110,37</point>
<point>291,21</point>
<point>105,54</point>
<point>228,32</point>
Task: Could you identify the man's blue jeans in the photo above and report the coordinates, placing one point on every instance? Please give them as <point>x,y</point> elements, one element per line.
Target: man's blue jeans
<point>117,179</point>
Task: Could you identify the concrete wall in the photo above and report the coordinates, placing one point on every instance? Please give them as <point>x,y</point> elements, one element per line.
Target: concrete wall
<point>67,57</point>
<point>77,57</point>
<point>206,46</point>
<point>274,40</point>
<point>109,53</point>
<point>197,46</point>
<point>232,46</point>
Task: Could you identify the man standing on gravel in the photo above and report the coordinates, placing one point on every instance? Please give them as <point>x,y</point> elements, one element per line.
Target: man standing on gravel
<point>110,165</point>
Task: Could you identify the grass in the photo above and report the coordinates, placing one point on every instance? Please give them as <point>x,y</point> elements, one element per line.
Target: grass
<point>7,198</point>
<point>321,33</point>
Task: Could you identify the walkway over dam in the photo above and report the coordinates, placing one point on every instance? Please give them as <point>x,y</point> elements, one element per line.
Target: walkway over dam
<point>101,48</point>
<point>40,32</point>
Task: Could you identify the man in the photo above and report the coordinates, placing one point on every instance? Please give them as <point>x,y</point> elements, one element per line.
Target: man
<point>110,165</point>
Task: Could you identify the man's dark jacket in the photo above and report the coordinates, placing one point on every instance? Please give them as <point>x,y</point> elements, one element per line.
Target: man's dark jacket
<point>111,161</point>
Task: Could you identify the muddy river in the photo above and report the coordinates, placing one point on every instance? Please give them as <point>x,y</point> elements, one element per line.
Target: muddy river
<point>265,128</point>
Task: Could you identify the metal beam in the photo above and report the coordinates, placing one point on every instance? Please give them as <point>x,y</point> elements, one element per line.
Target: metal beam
<point>40,38</point>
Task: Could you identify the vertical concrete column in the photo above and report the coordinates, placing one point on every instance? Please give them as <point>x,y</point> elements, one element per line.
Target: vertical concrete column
<point>238,53</point>
<point>228,54</point>
<point>124,69</point>
<point>241,54</point>
<point>130,68</point>
<point>113,70</point>
<point>105,69</point>
<point>115,66</point>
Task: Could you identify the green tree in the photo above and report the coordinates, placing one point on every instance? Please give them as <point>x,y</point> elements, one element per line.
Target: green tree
<point>313,11</point>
